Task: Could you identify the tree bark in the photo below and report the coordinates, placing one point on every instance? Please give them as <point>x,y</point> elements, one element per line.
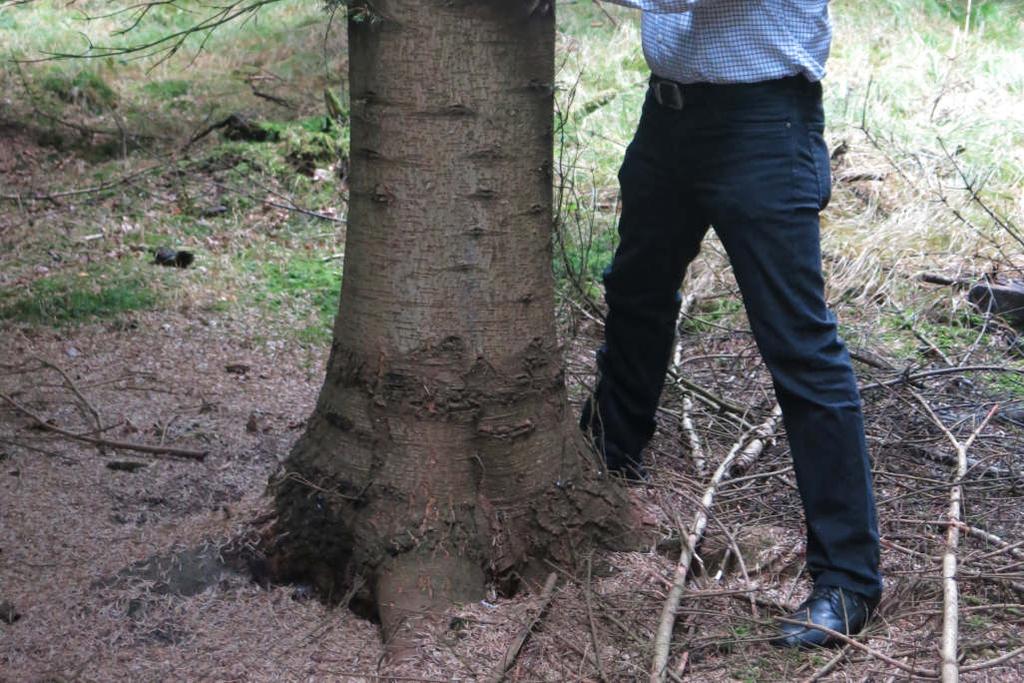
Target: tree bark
<point>442,453</point>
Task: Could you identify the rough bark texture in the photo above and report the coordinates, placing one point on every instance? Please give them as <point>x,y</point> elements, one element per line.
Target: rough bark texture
<point>442,451</point>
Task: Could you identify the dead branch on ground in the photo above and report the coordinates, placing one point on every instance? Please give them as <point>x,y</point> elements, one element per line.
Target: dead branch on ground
<point>950,592</point>
<point>96,441</point>
<point>746,449</point>
<point>517,643</point>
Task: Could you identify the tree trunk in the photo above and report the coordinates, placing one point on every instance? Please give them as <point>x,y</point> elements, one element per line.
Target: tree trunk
<point>442,452</point>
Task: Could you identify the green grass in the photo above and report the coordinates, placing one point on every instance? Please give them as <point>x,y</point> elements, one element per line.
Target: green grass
<point>712,313</point>
<point>86,88</point>
<point>926,80</point>
<point>302,291</point>
<point>1006,384</point>
<point>581,254</point>
<point>72,298</point>
<point>168,89</point>
<point>903,66</point>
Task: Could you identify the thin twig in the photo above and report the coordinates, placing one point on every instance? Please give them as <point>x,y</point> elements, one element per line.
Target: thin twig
<point>606,13</point>
<point>744,452</point>
<point>915,376</point>
<point>517,643</point>
<point>831,664</point>
<point>703,394</point>
<point>996,661</point>
<point>53,196</point>
<point>1004,547</point>
<point>78,394</point>
<point>593,624</point>
<point>924,673</point>
<point>96,441</point>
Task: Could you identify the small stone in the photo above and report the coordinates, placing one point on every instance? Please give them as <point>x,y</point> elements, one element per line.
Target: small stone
<point>302,592</point>
<point>8,614</point>
<point>72,352</point>
<point>126,465</point>
<point>136,608</point>
<point>164,256</point>
<point>255,423</point>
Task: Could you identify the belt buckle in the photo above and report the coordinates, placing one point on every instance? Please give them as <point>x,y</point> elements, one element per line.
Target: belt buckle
<point>676,101</point>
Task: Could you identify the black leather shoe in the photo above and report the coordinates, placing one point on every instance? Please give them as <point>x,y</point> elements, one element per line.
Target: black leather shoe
<point>829,606</point>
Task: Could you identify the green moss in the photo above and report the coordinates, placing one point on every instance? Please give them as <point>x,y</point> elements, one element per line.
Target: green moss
<point>294,147</point>
<point>712,312</point>
<point>1008,384</point>
<point>85,88</point>
<point>167,90</point>
<point>302,288</point>
<point>72,298</point>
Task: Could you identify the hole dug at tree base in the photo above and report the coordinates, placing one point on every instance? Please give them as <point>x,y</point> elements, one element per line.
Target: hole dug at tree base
<point>360,547</point>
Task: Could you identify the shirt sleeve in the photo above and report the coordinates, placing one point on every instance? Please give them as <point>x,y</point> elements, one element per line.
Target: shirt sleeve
<point>662,6</point>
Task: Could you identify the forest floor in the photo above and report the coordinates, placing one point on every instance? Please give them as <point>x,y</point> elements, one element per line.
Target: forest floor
<point>117,565</point>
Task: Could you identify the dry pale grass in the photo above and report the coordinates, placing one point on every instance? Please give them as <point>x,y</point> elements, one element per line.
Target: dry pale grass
<point>70,526</point>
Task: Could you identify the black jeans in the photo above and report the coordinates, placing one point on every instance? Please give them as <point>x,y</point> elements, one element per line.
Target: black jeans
<point>751,161</point>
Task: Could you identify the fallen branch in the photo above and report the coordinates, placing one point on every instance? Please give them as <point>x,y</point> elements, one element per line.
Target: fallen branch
<point>98,422</point>
<point>984,469</point>
<point>96,441</point>
<point>1013,549</point>
<point>936,279</point>
<point>950,591</point>
<point>593,625</point>
<point>741,452</point>
<point>517,643</point>
<point>696,450</point>
<point>279,101</point>
<point>686,422</point>
<point>54,196</point>
<point>913,377</point>
<point>914,671</point>
<point>995,661</point>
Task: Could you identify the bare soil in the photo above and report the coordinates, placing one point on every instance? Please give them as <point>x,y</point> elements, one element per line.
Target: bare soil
<point>112,572</point>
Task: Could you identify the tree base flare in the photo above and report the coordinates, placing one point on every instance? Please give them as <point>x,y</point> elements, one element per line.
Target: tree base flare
<point>403,560</point>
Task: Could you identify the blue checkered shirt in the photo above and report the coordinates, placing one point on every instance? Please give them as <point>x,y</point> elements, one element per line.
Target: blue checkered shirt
<point>734,41</point>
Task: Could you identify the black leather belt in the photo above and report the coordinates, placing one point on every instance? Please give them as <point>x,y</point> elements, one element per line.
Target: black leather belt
<point>667,93</point>
<point>674,95</point>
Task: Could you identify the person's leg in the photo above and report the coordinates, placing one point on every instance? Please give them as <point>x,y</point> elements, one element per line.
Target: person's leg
<point>763,189</point>
<point>660,233</point>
